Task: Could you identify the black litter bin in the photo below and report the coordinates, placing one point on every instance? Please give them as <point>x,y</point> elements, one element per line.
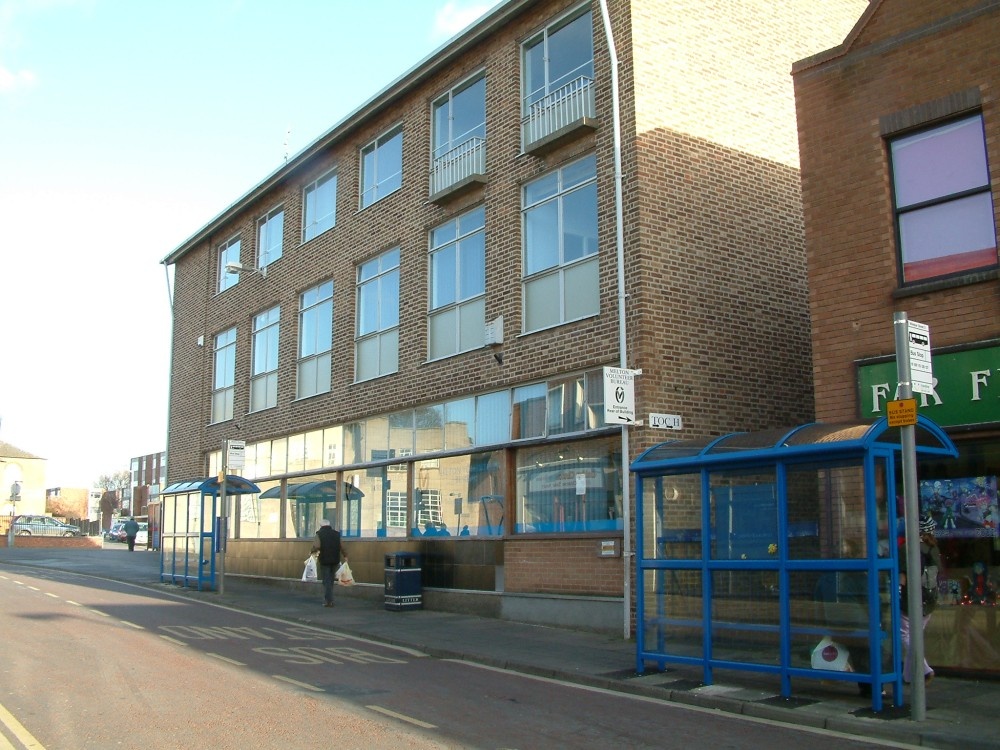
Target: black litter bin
<point>403,589</point>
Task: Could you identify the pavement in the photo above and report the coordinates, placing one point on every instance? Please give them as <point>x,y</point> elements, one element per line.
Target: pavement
<point>960,713</point>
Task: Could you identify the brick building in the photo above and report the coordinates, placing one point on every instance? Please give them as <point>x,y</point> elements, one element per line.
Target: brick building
<point>407,323</point>
<point>898,130</point>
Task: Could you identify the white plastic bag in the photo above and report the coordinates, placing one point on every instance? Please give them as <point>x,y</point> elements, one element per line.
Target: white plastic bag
<point>310,573</point>
<point>343,575</point>
<point>831,655</point>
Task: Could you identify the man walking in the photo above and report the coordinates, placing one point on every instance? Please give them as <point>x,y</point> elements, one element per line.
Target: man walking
<point>131,528</point>
<point>328,543</point>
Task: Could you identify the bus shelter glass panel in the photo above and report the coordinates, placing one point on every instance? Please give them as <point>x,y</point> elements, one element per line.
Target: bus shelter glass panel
<point>672,614</point>
<point>672,507</point>
<point>459,496</point>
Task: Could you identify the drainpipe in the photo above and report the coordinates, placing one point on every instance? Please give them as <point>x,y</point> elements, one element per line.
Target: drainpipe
<point>622,353</point>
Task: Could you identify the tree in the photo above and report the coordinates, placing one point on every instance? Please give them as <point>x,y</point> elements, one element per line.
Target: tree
<point>114,486</point>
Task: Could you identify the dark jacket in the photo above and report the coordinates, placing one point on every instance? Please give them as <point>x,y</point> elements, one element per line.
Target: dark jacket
<point>328,541</point>
<point>131,527</point>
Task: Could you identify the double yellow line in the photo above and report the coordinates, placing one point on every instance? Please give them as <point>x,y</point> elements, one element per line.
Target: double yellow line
<point>20,733</point>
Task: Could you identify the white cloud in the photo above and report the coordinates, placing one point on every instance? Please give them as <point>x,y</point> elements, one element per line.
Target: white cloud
<point>453,17</point>
<point>13,80</point>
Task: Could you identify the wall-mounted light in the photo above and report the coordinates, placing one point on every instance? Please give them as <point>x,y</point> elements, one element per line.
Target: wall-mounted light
<point>238,268</point>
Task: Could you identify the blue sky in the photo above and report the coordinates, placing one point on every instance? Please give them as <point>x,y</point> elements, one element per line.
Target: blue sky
<point>125,126</point>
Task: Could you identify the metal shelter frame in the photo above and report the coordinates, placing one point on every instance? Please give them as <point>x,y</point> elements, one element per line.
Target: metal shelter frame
<point>715,517</point>
<point>191,533</point>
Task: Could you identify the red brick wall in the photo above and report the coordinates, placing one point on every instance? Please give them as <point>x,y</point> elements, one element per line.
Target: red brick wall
<point>929,51</point>
<point>63,542</point>
<point>560,566</point>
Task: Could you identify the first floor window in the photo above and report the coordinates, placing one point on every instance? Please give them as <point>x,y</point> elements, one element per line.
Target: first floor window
<point>458,285</point>
<point>943,200</point>
<point>382,167</point>
<point>224,377</point>
<point>229,252</point>
<point>560,246</point>
<point>315,340</point>
<point>270,231</point>
<point>319,202</point>
<point>264,378</point>
<point>377,344</point>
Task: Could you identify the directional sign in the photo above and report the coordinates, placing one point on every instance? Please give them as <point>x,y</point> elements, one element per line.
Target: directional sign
<point>666,421</point>
<point>619,395</point>
<point>918,337</point>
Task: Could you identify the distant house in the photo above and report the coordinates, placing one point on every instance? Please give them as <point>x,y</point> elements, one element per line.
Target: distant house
<point>22,489</point>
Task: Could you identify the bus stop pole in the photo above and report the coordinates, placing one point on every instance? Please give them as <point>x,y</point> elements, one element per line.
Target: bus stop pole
<point>911,505</point>
<point>221,531</point>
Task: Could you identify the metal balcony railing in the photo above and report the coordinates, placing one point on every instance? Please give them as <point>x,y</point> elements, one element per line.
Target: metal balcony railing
<point>458,164</point>
<point>552,113</point>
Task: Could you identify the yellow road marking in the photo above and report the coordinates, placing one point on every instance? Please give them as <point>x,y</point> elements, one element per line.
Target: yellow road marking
<point>23,735</point>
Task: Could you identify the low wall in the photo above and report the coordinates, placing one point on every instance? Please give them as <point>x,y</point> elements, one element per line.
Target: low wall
<point>62,542</point>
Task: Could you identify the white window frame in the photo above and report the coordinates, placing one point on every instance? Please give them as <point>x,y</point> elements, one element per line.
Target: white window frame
<point>270,236</point>
<point>264,359</point>
<point>314,357</point>
<point>229,252</point>
<point>376,345</point>
<point>554,281</point>
<point>383,177</point>
<point>224,375</point>
<point>314,220</point>
<point>464,316</point>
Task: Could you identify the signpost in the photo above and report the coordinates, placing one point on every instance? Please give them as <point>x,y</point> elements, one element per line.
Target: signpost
<point>619,395</point>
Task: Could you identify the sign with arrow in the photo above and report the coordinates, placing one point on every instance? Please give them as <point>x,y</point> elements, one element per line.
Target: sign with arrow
<point>619,395</point>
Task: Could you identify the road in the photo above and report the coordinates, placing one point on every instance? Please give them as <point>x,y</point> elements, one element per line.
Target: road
<point>97,663</point>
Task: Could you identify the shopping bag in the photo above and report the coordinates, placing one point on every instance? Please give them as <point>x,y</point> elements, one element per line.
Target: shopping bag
<point>831,655</point>
<point>344,576</point>
<point>310,573</point>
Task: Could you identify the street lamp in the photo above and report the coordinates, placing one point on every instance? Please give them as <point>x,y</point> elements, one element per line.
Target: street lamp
<point>238,268</point>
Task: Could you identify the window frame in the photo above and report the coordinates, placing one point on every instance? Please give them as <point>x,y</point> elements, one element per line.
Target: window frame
<point>223,375</point>
<point>385,327</point>
<point>562,267</point>
<point>308,308</point>
<point>381,186</point>
<point>543,37</point>
<point>461,303</point>
<point>438,150</point>
<point>942,201</point>
<point>266,332</point>
<point>311,230</point>
<point>266,226</point>
<point>224,254</point>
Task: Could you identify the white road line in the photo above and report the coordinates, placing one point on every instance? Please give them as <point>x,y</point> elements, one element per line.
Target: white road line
<point>20,733</point>
<point>75,604</point>
<point>34,588</point>
<point>290,681</point>
<point>132,625</point>
<point>226,659</point>
<point>402,717</point>
<point>49,593</point>
<point>698,709</point>
<point>175,641</point>
<point>98,612</point>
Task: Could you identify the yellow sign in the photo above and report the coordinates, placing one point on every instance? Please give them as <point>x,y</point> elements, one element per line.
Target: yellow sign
<point>902,413</point>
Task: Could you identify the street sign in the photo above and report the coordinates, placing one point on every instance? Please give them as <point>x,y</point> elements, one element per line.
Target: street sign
<point>918,337</point>
<point>619,395</point>
<point>901,413</point>
<point>235,454</point>
<point>666,421</point>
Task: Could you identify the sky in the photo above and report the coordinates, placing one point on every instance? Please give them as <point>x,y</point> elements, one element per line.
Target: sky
<point>126,126</point>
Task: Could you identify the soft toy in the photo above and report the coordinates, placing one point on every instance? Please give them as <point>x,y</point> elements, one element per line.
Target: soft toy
<point>981,589</point>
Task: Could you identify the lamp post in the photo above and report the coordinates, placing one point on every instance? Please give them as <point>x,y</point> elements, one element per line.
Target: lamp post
<point>15,495</point>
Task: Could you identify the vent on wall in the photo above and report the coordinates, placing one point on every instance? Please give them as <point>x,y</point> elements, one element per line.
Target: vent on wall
<point>494,332</point>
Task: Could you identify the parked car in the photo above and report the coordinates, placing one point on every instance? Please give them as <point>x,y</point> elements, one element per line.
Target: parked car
<point>142,537</point>
<point>115,532</point>
<point>43,526</point>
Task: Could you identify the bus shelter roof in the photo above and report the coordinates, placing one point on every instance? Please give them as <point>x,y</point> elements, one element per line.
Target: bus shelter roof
<point>235,485</point>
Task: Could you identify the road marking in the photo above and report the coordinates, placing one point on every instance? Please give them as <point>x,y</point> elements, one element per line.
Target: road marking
<point>297,683</point>
<point>402,717</point>
<point>23,735</point>
<point>98,612</point>
<point>132,625</point>
<point>75,604</point>
<point>34,588</point>
<point>173,640</point>
<point>226,659</point>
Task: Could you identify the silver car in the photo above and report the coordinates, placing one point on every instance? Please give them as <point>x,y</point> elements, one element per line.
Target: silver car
<point>43,526</point>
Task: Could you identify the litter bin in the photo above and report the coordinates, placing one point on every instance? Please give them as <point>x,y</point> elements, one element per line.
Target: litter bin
<point>403,589</point>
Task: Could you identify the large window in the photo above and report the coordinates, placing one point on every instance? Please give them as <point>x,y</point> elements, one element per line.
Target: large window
<point>459,134</point>
<point>315,340</point>
<point>270,229</point>
<point>377,345</point>
<point>264,378</point>
<point>224,380</point>
<point>560,246</point>
<point>944,206</point>
<point>229,252</point>
<point>319,201</point>
<point>458,285</point>
<point>382,167</point>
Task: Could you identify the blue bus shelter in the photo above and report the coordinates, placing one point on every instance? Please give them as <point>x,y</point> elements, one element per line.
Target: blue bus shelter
<point>192,531</point>
<point>776,551</point>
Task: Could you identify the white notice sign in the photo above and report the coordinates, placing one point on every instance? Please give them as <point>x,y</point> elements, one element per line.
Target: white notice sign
<point>918,338</point>
<point>619,395</point>
<point>235,454</point>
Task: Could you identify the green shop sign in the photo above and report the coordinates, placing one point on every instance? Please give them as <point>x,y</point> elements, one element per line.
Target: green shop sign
<point>966,388</point>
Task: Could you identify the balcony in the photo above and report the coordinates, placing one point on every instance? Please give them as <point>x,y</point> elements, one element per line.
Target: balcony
<point>559,117</point>
<point>458,170</point>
